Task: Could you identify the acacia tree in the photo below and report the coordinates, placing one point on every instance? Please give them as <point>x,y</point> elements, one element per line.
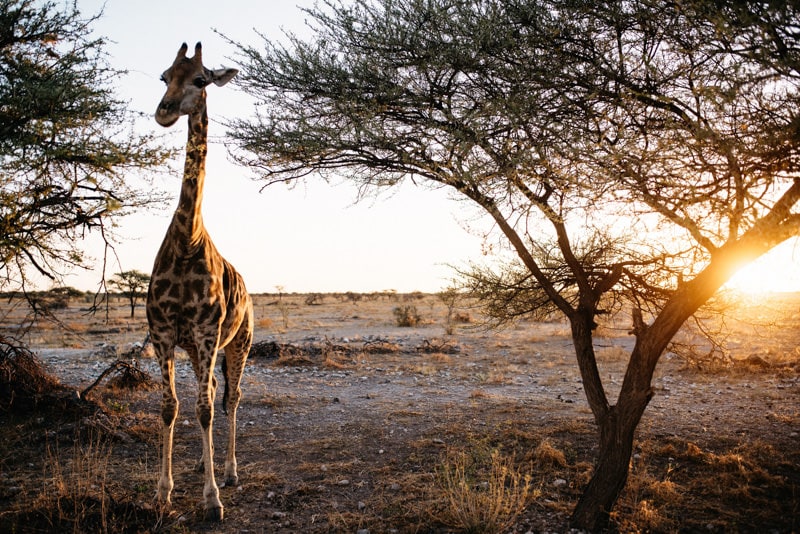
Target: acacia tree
<point>65,150</point>
<point>632,153</point>
<point>132,285</point>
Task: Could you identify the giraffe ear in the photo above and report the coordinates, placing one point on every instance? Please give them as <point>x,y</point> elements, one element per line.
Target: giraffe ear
<point>222,76</point>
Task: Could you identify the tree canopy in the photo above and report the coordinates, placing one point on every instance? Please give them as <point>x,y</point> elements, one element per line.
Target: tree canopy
<point>631,154</point>
<point>66,142</point>
<point>133,284</point>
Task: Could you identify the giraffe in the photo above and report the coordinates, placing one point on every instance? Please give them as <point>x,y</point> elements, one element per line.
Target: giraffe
<point>196,299</point>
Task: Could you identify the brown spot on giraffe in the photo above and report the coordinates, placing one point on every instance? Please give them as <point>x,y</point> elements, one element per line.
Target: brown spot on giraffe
<point>187,304</point>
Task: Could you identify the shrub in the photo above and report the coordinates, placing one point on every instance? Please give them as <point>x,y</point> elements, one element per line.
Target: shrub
<point>406,316</point>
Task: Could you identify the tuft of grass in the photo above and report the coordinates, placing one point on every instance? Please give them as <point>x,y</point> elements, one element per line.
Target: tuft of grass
<point>75,491</point>
<point>265,322</point>
<point>546,455</point>
<point>482,495</point>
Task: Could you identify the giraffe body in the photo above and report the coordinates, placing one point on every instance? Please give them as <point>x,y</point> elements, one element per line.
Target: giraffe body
<point>196,299</point>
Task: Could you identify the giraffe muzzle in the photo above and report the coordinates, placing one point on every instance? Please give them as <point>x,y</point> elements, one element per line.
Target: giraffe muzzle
<point>167,114</point>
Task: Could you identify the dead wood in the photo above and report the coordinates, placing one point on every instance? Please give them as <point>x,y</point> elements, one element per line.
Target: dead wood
<point>128,376</point>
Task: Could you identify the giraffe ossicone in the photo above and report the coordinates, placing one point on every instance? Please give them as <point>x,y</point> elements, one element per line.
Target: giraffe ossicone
<point>196,299</point>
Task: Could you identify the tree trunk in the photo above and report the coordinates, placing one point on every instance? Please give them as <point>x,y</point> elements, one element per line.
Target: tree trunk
<point>611,468</point>
<point>617,425</point>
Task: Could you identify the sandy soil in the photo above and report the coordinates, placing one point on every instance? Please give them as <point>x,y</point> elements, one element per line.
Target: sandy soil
<point>355,431</point>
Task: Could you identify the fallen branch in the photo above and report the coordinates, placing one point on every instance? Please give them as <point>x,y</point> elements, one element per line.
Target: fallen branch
<point>130,376</point>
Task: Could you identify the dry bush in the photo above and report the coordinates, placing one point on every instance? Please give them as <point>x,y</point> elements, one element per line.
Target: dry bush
<point>462,317</point>
<point>438,346</point>
<point>285,353</point>
<point>407,316</point>
<point>131,377</point>
<point>380,346</point>
<point>284,309</point>
<point>125,375</point>
<point>23,381</point>
<point>480,494</point>
<point>314,299</point>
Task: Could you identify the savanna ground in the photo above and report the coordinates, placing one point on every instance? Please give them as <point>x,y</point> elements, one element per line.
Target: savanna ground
<point>351,423</point>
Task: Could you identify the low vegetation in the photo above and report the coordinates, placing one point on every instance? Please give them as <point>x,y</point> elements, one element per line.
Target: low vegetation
<point>407,316</point>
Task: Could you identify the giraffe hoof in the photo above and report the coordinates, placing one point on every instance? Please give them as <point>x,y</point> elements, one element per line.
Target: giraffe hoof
<point>231,481</point>
<point>214,514</point>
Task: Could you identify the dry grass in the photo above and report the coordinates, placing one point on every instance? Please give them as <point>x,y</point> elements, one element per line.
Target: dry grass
<point>265,323</point>
<point>545,455</point>
<point>75,489</point>
<point>482,495</point>
<point>77,495</point>
<point>742,488</point>
<point>613,354</point>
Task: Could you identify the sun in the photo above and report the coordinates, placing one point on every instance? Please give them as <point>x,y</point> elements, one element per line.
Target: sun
<point>776,272</point>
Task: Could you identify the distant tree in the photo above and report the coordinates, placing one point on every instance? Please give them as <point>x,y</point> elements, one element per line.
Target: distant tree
<point>66,154</point>
<point>132,285</point>
<point>631,153</point>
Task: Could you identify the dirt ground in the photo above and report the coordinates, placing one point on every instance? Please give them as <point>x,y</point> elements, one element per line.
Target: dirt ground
<point>351,423</point>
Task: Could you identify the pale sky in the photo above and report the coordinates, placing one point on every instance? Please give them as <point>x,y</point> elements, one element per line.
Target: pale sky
<point>308,239</point>
<point>311,238</point>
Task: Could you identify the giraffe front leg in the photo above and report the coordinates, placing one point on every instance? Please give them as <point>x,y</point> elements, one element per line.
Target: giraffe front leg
<point>169,412</point>
<point>205,416</point>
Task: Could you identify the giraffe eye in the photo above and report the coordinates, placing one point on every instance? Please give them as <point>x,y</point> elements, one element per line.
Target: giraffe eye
<point>164,79</point>
<point>199,82</point>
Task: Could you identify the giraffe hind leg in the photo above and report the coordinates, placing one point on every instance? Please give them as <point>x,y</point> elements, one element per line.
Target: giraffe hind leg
<point>233,368</point>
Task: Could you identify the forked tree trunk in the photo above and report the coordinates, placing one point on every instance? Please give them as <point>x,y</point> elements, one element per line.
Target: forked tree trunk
<point>617,430</point>
<point>617,426</point>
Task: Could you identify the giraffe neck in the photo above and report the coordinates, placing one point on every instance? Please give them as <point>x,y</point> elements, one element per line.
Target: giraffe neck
<point>189,216</point>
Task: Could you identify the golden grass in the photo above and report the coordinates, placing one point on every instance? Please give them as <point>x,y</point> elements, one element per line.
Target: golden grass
<point>74,489</point>
<point>546,455</point>
<point>482,496</point>
<point>265,322</point>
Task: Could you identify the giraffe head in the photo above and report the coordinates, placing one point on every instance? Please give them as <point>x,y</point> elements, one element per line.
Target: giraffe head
<point>186,81</point>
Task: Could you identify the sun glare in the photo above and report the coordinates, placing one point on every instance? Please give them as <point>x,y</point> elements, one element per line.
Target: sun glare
<point>776,272</point>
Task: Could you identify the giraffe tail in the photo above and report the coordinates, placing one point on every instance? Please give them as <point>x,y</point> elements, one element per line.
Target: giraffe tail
<point>225,376</point>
